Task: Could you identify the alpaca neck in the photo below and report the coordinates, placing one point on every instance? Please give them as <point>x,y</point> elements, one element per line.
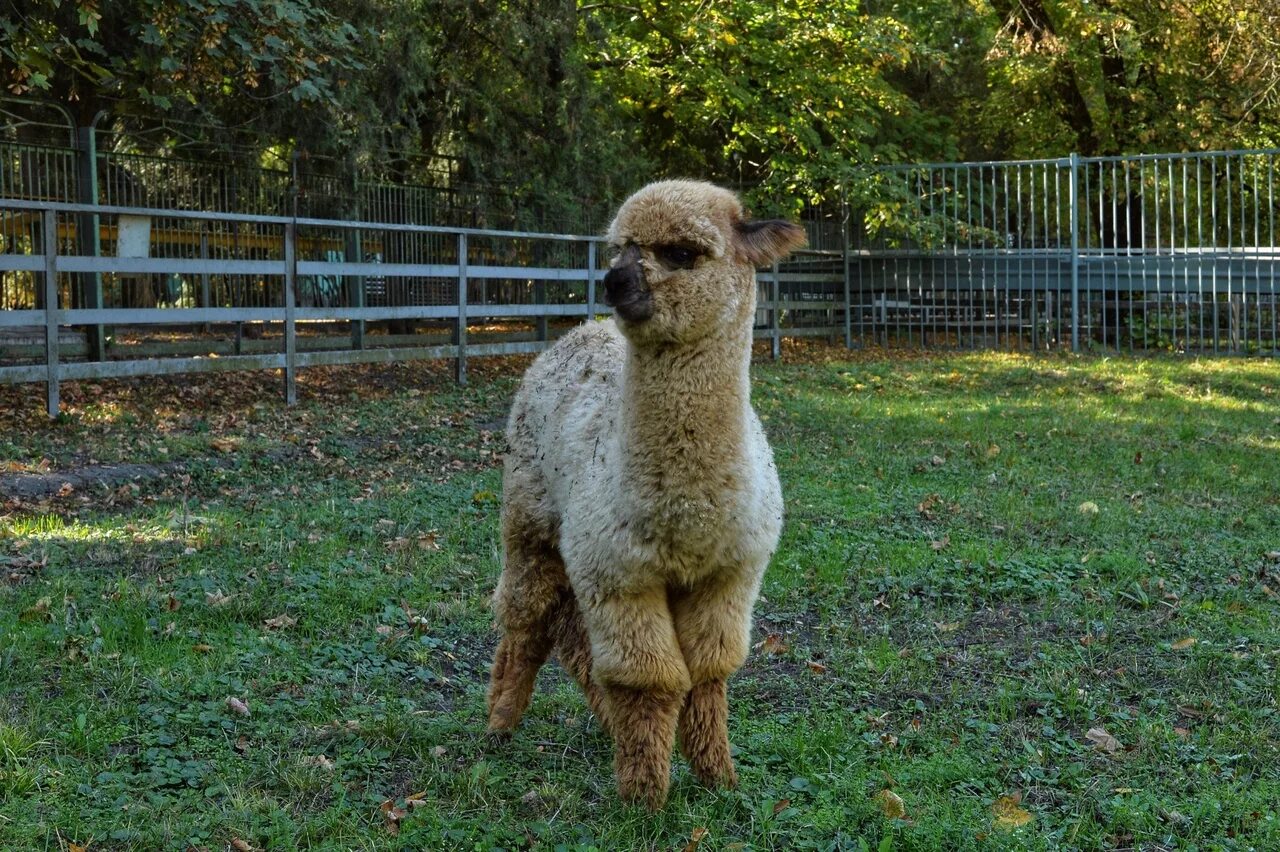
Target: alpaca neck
<point>685,410</point>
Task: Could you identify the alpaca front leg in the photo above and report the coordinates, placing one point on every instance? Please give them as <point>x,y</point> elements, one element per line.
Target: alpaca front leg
<point>638,665</point>
<point>713,624</point>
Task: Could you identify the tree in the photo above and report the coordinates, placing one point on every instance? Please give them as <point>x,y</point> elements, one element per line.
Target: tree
<point>1132,75</point>
<point>208,60</point>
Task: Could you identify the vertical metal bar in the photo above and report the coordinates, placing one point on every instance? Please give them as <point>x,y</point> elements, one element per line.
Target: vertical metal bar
<point>88,237</point>
<point>775,315</point>
<point>354,245</point>
<point>1031,206</point>
<point>204,255</point>
<point>290,313</point>
<point>50,236</point>
<point>845,224</point>
<point>1186,259</point>
<point>1073,191</point>
<point>964,294</point>
<point>592,272</point>
<point>460,328</point>
<point>1271,240</point>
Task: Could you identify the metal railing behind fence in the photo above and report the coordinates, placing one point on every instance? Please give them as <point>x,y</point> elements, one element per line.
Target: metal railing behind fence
<point>1172,252</point>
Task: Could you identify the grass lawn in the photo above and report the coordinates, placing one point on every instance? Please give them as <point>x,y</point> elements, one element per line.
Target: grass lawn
<point>1037,600</point>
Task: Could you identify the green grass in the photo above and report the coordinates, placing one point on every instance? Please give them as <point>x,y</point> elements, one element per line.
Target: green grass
<point>949,619</point>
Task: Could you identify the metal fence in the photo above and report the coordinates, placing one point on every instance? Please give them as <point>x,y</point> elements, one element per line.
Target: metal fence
<point>1121,254</point>
<point>306,288</point>
<point>1173,252</point>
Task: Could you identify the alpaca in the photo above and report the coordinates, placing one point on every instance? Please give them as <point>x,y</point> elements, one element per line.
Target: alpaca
<point>640,499</point>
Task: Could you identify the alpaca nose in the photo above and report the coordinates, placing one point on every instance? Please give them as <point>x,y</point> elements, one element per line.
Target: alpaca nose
<point>626,293</point>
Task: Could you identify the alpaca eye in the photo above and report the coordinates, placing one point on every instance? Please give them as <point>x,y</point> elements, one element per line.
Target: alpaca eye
<point>681,257</point>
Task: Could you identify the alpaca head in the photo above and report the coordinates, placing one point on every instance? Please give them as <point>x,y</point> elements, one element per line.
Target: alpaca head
<point>685,261</point>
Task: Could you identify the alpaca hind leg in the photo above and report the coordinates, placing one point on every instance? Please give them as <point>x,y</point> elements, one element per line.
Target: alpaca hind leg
<point>528,594</point>
<point>573,650</point>
<point>638,665</point>
<point>713,623</point>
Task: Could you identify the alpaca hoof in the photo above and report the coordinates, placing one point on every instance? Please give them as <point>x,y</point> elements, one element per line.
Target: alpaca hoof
<point>720,779</point>
<point>651,798</point>
<point>497,735</point>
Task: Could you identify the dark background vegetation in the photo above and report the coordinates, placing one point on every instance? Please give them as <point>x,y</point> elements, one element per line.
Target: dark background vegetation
<point>566,105</point>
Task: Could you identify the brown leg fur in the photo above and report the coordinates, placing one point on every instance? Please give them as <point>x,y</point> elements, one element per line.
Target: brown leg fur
<point>573,650</point>
<point>529,595</point>
<point>515,668</point>
<point>704,734</point>
<point>644,722</point>
<point>712,621</point>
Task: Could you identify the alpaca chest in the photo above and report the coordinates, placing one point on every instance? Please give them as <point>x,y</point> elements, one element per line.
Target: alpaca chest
<point>678,536</point>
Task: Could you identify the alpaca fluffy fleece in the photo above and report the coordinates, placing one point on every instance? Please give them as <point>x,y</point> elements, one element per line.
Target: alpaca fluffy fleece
<point>641,501</point>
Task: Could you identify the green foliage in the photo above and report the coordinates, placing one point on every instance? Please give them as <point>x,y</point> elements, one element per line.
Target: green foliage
<point>1132,76</point>
<point>549,111</point>
<point>784,96</point>
<point>213,59</point>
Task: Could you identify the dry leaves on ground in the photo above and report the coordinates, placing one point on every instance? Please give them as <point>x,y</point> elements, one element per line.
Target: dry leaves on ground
<point>1009,813</point>
<point>1103,740</point>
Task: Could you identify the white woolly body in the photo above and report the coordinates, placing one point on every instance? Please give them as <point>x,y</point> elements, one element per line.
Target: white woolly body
<point>666,497</point>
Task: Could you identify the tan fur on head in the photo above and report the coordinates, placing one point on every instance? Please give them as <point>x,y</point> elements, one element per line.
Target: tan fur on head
<point>689,256</point>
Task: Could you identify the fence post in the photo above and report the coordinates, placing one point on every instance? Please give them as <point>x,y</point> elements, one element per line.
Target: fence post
<point>290,310</point>
<point>50,236</point>
<point>460,329</point>
<point>775,315</point>
<point>1074,197</point>
<point>591,280</point>
<point>845,224</point>
<point>88,238</point>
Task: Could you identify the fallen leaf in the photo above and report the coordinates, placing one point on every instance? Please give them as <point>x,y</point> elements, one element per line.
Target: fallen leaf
<point>947,626</point>
<point>172,603</point>
<point>891,804</point>
<point>1183,644</point>
<point>237,706</point>
<point>225,445</point>
<point>925,507</point>
<point>695,837</point>
<point>1088,507</point>
<point>217,598</point>
<point>1182,733</point>
<point>937,461</point>
<point>780,806</point>
<point>392,816</point>
<point>39,611</point>
<point>993,451</point>
<point>816,667</point>
<point>76,847</point>
<point>319,761</point>
<point>202,648</point>
<point>1103,740</point>
<point>439,751</point>
<point>772,644</point>
<point>1009,814</point>
<point>242,744</point>
<point>280,622</point>
<point>941,544</point>
<point>242,845</point>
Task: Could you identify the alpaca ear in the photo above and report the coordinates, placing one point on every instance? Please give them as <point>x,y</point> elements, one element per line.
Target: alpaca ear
<point>763,241</point>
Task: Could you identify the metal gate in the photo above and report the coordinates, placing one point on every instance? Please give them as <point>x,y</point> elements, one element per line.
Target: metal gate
<point>1154,252</point>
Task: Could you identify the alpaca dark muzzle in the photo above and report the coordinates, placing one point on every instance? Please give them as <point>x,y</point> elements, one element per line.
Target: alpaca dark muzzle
<point>626,292</point>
